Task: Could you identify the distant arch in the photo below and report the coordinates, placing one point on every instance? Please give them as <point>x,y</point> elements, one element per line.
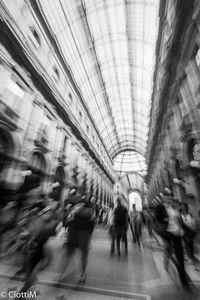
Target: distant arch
<point>135,198</point>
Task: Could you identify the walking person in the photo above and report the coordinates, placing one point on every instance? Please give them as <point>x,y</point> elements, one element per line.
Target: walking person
<point>120,221</point>
<point>111,230</point>
<point>168,226</point>
<point>81,222</point>
<point>136,220</point>
<point>40,230</point>
<point>190,232</point>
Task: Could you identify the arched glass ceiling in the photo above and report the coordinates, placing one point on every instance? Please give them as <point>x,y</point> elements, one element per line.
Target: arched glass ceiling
<point>129,162</point>
<point>110,48</point>
<point>132,181</point>
<point>131,169</point>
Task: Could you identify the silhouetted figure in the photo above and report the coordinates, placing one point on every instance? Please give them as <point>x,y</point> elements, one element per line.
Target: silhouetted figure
<point>136,220</point>
<point>81,221</point>
<point>120,221</point>
<point>190,232</point>
<point>40,229</point>
<point>168,226</point>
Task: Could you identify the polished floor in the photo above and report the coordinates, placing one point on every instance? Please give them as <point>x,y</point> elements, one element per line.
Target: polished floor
<point>140,275</point>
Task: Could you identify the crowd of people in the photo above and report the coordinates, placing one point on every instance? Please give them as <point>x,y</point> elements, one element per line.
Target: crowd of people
<point>36,217</point>
<point>29,218</point>
<point>171,221</point>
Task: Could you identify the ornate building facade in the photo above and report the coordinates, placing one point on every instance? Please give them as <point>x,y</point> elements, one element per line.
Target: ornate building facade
<point>173,151</point>
<point>44,124</point>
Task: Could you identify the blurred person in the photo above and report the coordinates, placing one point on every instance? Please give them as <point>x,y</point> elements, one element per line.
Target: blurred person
<point>168,226</point>
<point>149,221</point>
<point>120,221</point>
<point>160,225</point>
<point>101,213</point>
<point>105,216</point>
<point>190,232</point>
<point>42,227</point>
<point>136,221</point>
<point>81,220</point>
<point>176,230</point>
<point>111,230</point>
<point>8,218</point>
<point>56,217</point>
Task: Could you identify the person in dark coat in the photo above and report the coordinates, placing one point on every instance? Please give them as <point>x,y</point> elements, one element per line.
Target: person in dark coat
<point>81,222</point>
<point>120,221</point>
<point>39,231</point>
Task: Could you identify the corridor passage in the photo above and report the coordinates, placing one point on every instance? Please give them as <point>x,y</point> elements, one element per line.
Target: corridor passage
<point>140,275</point>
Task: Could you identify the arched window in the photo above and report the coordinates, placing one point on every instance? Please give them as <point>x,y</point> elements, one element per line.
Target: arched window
<point>37,161</point>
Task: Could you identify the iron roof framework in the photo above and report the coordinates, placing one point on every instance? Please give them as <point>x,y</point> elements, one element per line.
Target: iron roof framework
<point>110,48</point>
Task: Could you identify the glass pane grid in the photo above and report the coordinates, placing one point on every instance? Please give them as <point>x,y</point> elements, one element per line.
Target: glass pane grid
<point>93,41</point>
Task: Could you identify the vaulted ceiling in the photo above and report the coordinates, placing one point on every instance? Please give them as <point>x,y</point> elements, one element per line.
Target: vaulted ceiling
<point>109,46</point>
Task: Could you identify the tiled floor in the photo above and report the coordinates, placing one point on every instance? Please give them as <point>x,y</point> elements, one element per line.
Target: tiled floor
<point>140,275</point>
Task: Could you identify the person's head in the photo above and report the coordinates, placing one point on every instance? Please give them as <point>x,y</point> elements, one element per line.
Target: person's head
<point>119,203</point>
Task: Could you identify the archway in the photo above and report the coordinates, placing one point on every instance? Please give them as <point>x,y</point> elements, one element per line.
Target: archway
<point>37,161</point>
<point>135,198</point>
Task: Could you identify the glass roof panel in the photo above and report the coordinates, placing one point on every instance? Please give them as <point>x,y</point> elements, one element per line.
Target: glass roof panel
<point>110,49</point>
<point>129,161</point>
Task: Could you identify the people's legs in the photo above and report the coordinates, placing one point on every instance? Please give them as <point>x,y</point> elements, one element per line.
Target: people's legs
<point>137,234</point>
<point>31,270</point>
<point>24,265</point>
<point>85,237</point>
<point>113,238</point>
<point>118,238</point>
<point>149,226</point>
<point>189,246</point>
<point>133,233</point>
<point>178,251</point>
<point>139,231</point>
<point>66,260</point>
<point>84,260</point>
<point>125,239</point>
<point>167,252</point>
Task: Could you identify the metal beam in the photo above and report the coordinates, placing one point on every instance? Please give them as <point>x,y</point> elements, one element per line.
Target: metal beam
<point>39,13</point>
<point>100,72</point>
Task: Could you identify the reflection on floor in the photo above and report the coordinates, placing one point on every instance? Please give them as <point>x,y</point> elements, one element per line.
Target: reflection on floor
<point>140,275</point>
